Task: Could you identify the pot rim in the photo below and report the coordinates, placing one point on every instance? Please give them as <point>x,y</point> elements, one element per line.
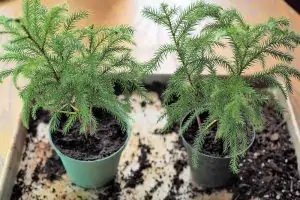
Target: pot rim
<point>211,156</point>
<point>128,133</point>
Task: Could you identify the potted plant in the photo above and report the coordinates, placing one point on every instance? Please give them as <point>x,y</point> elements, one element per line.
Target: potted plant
<point>72,73</point>
<point>219,115</point>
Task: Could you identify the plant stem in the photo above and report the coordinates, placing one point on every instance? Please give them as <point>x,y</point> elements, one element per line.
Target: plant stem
<point>91,39</point>
<point>67,112</point>
<point>198,121</point>
<point>181,58</point>
<point>76,109</point>
<point>210,124</point>
<point>90,122</point>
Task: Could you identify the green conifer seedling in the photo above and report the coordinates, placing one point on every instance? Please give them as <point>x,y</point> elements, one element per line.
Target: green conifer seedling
<point>70,70</point>
<point>233,103</point>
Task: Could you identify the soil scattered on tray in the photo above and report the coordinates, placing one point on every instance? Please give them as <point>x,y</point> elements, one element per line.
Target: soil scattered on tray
<point>143,104</point>
<point>110,191</point>
<point>53,168</point>
<point>177,182</point>
<point>108,139</point>
<point>19,186</point>
<point>269,170</point>
<point>136,178</point>
<point>149,194</point>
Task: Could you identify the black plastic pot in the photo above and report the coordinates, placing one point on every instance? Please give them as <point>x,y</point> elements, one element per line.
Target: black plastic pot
<point>212,171</point>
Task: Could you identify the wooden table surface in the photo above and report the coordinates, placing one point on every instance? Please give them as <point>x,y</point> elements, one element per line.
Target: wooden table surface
<point>148,37</point>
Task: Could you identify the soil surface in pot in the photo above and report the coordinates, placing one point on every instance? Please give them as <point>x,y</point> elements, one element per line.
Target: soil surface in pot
<point>211,146</point>
<point>108,139</point>
<point>154,166</point>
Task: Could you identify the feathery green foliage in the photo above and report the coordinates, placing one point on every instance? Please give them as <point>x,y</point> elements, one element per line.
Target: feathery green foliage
<point>70,70</point>
<point>194,52</point>
<point>236,104</point>
<point>233,103</point>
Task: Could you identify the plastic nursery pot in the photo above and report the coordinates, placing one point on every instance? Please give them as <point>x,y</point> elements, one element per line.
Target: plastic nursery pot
<point>211,171</point>
<point>91,174</point>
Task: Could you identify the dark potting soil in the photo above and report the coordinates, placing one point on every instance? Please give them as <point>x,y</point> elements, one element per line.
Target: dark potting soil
<point>179,165</point>
<point>108,139</point>
<point>211,145</point>
<point>20,187</point>
<point>269,170</point>
<point>53,168</point>
<point>110,191</point>
<point>136,178</point>
<point>149,194</point>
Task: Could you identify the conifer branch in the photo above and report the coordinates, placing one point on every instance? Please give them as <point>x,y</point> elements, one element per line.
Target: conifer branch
<point>42,50</point>
<point>64,72</point>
